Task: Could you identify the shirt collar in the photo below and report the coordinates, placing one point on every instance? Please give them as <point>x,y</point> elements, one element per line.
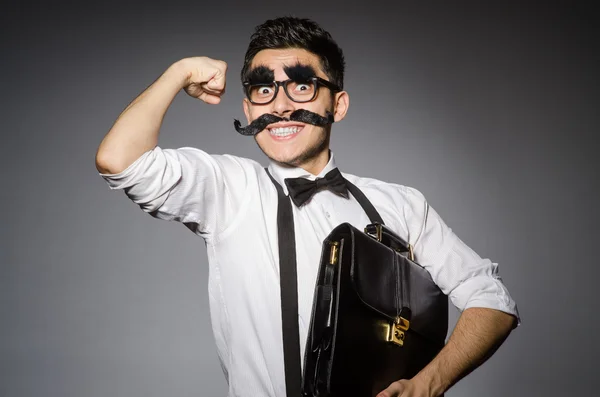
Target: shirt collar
<point>281,172</point>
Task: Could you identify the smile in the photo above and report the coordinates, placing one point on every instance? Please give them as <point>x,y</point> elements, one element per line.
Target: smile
<point>289,131</point>
<point>284,131</point>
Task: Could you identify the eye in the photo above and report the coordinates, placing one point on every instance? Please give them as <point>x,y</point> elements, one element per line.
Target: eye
<point>264,90</point>
<point>303,87</point>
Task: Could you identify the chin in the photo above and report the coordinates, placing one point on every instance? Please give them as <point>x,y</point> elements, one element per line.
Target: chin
<point>279,153</point>
<point>292,154</point>
<point>287,159</point>
<point>296,158</point>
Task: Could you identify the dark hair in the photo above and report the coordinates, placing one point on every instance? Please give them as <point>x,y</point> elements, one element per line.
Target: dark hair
<point>292,32</point>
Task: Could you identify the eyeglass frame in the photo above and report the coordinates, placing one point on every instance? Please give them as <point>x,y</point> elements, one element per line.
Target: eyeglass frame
<point>283,83</point>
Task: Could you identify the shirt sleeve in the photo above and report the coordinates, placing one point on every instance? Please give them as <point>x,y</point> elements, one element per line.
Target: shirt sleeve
<point>468,279</point>
<point>205,192</point>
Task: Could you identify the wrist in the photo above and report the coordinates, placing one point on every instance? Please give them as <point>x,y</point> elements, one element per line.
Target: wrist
<point>431,382</point>
<point>178,74</point>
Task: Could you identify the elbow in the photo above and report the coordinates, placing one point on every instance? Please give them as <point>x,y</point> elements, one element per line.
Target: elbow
<point>101,164</point>
<point>108,164</point>
<point>112,159</point>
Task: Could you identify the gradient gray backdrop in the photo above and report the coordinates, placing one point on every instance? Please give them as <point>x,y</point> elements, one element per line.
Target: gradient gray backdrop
<point>489,110</point>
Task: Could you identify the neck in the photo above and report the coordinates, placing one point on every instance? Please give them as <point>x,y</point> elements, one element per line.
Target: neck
<point>316,164</point>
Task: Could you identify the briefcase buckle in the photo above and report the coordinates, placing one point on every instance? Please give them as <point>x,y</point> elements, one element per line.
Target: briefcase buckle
<point>396,330</point>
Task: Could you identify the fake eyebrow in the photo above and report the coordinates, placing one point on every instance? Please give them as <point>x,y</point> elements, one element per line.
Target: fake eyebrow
<point>300,73</point>
<point>260,75</point>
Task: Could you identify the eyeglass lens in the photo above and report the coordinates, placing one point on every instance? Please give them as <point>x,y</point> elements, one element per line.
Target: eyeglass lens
<point>298,92</point>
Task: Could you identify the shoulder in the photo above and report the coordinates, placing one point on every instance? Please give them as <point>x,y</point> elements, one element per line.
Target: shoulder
<point>224,163</point>
<point>387,191</point>
<point>403,208</point>
<point>193,153</point>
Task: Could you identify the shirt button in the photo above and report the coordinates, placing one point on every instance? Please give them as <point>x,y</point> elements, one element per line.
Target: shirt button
<point>327,214</point>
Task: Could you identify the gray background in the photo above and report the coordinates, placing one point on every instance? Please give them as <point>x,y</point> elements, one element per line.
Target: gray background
<point>489,110</point>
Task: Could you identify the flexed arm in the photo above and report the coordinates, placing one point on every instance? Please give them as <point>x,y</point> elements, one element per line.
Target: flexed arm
<point>137,129</point>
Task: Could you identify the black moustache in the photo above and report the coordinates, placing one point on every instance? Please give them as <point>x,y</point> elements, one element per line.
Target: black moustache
<point>301,115</point>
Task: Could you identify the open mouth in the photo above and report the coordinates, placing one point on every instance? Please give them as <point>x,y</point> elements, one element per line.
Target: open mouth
<point>280,132</point>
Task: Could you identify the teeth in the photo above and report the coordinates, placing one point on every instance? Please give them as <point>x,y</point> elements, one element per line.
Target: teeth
<point>283,131</point>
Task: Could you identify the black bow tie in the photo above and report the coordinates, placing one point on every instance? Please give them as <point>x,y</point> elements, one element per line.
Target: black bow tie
<point>302,189</point>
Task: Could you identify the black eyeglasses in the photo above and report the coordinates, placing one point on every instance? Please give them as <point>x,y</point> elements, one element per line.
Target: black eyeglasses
<point>262,94</point>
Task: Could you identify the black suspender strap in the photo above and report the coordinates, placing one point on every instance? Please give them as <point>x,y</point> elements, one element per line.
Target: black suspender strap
<point>288,282</point>
<point>364,203</point>
<point>288,285</point>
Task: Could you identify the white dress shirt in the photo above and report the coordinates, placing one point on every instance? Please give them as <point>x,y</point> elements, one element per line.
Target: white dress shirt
<point>232,204</point>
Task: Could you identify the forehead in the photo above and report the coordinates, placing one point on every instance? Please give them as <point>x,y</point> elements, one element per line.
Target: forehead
<point>276,60</point>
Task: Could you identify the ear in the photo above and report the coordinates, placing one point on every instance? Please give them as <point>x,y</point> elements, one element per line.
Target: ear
<point>340,105</point>
<point>246,105</point>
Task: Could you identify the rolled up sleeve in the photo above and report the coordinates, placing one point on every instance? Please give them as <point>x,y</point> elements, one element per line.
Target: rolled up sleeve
<point>468,279</point>
<point>205,192</point>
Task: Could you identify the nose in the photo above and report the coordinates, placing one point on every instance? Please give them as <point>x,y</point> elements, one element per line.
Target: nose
<point>282,105</point>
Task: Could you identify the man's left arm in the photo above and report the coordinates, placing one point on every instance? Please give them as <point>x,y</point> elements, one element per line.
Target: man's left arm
<point>477,335</point>
<point>474,286</point>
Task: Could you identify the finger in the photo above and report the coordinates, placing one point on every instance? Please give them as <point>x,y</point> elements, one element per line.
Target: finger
<point>212,91</point>
<point>393,390</point>
<point>210,99</point>
<point>216,83</point>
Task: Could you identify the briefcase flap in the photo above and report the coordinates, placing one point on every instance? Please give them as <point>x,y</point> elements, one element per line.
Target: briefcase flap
<point>388,282</point>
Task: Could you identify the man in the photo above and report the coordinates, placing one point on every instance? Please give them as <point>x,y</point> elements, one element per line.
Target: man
<point>292,68</point>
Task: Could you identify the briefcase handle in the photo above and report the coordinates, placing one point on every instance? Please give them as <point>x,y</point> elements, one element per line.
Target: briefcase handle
<point>389,238</point>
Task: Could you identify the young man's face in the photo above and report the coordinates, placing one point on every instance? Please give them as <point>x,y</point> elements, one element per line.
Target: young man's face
<point>308,145</point>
